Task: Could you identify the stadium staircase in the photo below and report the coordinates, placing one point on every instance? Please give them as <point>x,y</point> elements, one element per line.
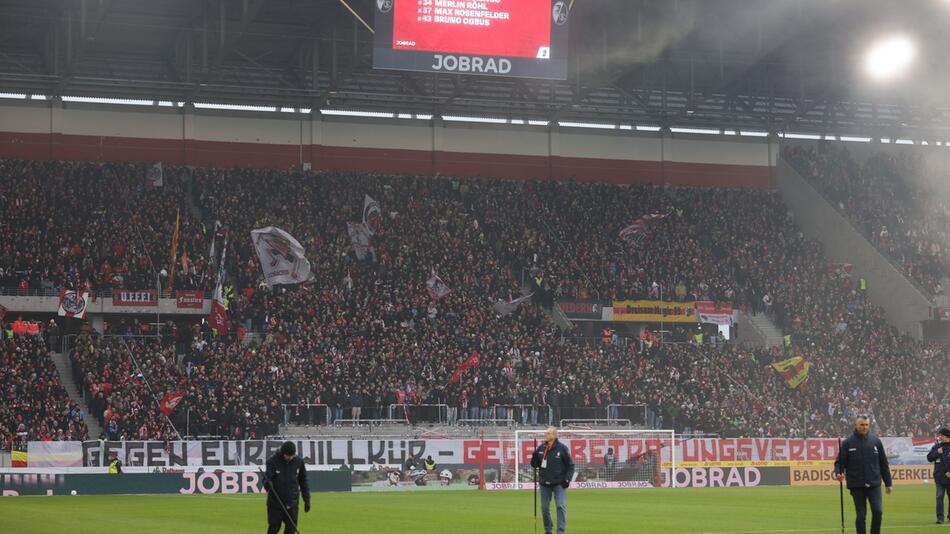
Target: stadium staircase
<point>558,317</point>
<point>61,361</point>
<point>758,331</point>
<point>904,304</point>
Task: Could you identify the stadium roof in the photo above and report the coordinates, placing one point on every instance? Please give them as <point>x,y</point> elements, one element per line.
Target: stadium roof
<point>772,65</point>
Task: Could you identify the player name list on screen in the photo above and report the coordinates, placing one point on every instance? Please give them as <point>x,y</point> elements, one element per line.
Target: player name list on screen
<point>502,37</point>
<point>454,12</point>
<point>520,28</point>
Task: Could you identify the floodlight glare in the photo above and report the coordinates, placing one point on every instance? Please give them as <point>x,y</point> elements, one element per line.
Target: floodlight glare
<point>890,57</point>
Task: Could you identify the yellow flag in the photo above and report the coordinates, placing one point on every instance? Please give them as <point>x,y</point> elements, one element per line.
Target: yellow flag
<point>173,255</point>
<point>794,370</point>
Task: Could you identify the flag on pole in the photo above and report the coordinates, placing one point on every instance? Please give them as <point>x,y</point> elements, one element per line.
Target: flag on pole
<point>170,401</point>
<point>472,361</point>
<point>372,216</point>
<point>218,320</point>
<point>503,308</point>
<point>636,231</point>
<point>214,235</point>
<point>436,287</point>
<point>73,303</point>
<point>361,239</point>
<point>794,370</point>
<point>173,255</point>
<point>281,255</point>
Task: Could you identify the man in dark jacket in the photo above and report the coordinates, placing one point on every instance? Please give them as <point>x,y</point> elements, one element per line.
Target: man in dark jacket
<point>285,481</point>
<point>940,456</point>
<point>863,461</point>
<point>557,471</point>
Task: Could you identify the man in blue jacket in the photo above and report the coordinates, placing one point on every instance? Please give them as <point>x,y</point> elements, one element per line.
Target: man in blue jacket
<point>940,456</point>
<point>557,471</point>
<point>863,462</point>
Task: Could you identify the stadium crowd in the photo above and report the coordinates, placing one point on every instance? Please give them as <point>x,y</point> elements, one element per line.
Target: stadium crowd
<point>92,226</point>
<point>892,200</point>
<point>364,335</point>
<point>35,406</point>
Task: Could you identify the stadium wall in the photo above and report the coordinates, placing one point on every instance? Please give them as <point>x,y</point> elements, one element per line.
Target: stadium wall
<point>89,132</point>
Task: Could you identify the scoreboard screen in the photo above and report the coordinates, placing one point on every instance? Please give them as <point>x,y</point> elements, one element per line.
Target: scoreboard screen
<point>520,38</point>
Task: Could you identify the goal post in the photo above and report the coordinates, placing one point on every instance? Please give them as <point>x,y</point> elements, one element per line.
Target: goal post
<point>619,458</point>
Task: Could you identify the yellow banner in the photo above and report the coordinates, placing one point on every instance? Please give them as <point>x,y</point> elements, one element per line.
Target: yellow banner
<point>794,370</point>
<point>654,311</point>
<point>824,475</point>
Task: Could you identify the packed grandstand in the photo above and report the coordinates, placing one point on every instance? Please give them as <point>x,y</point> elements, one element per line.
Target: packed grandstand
<point>366,334</point>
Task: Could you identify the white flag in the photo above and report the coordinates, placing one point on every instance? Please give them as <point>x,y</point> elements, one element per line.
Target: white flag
<point>503,308</point>
<point>73,303</point>
<point>156,176</point>
<point>361,238</point>
<point>282,256</point>
<point>372,216</point>
<point>436,287</point>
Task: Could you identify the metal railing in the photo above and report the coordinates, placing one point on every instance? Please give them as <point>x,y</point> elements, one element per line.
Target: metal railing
<point>100,293</point>
<point>485,422</point>
<point>524,414</point>
<point>594,422</point>
<point>420,413</point>
<point>637,414</point>
<point>368,422</point>
<point>309,415</point>
<point>69,340</point>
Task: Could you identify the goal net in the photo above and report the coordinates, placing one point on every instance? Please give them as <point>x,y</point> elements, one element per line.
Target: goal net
<point>602,458</point>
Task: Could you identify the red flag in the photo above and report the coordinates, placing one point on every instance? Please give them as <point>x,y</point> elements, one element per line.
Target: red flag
<point>218,320</point>
<point>170,401</point>
<point>472,361</point>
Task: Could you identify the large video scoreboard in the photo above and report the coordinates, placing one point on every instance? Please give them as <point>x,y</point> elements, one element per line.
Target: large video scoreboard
<point>521,38</point>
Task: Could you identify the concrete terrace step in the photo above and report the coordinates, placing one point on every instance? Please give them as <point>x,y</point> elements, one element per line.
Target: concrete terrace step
<point>61,361</point>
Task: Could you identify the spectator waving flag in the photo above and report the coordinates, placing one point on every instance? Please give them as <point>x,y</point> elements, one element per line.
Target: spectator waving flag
<point>794,370</point>
<point>436,287</point>
<point>282,256</point>
<point>73,303</point>
<point>372,216</point>
<point>636,231</point>
<point>472,361</point>
<point>170,401</point>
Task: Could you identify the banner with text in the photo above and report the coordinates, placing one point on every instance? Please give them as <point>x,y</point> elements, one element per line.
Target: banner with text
<point>688,453</point>
<point>654,311</point>
<point>584,310</point>
<point>144,297</point>
<point>189,300</point>
<point>721,313</point>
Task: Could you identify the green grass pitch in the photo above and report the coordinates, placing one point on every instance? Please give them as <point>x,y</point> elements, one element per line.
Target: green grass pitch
<point>687,511</point>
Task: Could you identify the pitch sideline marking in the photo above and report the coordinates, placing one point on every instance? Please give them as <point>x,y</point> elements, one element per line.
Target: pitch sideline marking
<point>836,529</point>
